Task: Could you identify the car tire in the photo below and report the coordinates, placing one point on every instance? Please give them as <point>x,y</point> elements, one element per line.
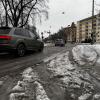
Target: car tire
<point>21,50</point>
<point>41,49</point>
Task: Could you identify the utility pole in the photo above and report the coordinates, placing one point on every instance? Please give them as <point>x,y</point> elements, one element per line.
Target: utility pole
<point>93,33</point>
<point>42,36</point>
<point>49,35</point>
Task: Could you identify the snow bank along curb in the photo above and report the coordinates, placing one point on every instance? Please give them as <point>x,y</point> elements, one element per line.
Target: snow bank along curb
<point>87,54</point>
<point>29,88</point>
<point>48,44</point>
<point>77,82</point>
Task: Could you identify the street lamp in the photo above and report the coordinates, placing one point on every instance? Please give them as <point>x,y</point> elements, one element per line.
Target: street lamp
<point>42,36</point>
<point>93,33</point>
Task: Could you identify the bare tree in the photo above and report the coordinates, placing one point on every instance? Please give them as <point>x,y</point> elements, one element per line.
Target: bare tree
<point>19,12</point>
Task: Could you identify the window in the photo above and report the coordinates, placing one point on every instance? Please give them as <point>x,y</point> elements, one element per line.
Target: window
<point>86,22</point>
<point>94,24</point>
<point>22,32</point>
<point>37,35</point>
<point>32,35</point>
<point>86,33</point>
<point>18,32</point>
<point>5,31</point>
<point>26,33</point>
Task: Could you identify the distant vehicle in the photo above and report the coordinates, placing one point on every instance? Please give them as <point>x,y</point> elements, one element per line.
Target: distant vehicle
<point>59,42</point>
<point>48,41</point>
<point>19,40</point>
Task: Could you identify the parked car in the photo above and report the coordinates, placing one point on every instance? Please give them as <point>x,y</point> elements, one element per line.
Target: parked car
<point>19,40</point>
<point>59,42</point>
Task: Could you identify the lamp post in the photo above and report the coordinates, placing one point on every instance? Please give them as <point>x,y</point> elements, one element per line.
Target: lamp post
<point>93,33</point>
<point>42,36</point>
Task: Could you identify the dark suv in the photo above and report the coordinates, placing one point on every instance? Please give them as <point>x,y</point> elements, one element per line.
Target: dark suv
<point>59,42</point>
<point>18,40</point>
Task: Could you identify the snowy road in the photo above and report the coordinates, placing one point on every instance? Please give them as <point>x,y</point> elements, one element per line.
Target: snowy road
<point>57,77</point>
<point>9,64</point>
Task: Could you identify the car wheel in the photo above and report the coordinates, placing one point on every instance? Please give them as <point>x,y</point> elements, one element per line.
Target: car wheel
<point>41,49</point>
<point>21,50</point>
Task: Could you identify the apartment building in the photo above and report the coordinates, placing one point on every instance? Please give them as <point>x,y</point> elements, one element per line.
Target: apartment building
<point>84,28</point>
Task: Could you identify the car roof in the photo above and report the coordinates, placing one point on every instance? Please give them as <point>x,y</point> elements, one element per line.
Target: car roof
<point>5,27</point>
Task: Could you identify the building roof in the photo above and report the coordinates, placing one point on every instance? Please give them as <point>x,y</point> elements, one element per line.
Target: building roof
<point>88,18</point>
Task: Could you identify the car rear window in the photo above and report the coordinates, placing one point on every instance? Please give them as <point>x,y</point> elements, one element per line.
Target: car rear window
<point>22,32</point>
<point>59,40</point>
<point>5,31</point>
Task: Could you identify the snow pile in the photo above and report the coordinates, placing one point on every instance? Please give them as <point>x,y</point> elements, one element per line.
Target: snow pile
<point>29,88</point>
<point>87,54</point>
<point>96,96</point>
<point>84,97</point>
<point>60,65</point>
<point>17,96</point>
<point>1,83</point>
<point>18,87</point>
<point>77,82</point>
<point>29,75</point>
<point>48,44</point>
<point>40,92</point>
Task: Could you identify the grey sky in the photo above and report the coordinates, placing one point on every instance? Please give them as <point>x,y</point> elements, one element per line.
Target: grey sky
<point>74,10</point>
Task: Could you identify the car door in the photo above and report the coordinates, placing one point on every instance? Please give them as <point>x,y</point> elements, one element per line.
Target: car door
<point>27,39</point>
<point>35,43</point>
<point>19,36</point>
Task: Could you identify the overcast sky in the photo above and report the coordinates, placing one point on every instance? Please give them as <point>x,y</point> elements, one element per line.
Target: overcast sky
<point>74,10</point>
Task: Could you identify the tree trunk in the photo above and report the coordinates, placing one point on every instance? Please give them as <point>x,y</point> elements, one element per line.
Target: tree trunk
<point>22,13</point>
<point>15,24</point>
<point>6,14</point>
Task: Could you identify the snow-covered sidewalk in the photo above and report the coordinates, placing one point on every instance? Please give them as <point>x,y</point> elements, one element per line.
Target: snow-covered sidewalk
<point>77,82</point>
<point>87,54</point>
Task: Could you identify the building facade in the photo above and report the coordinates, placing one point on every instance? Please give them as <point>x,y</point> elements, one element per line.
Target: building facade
<point>70,33</point>
<point>85,28</point>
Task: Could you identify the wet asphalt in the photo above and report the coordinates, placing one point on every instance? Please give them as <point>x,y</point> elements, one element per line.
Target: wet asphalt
<point>11,64</point>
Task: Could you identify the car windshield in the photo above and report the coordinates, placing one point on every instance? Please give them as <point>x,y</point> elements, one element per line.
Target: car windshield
<point>4,31</point>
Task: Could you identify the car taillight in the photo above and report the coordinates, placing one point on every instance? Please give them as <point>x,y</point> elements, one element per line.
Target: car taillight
<point>5,37</point>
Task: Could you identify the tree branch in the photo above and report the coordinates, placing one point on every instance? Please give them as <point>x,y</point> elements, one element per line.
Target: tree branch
<point>29,14</point>
<point>10,8</point>
<point>7,13</point>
